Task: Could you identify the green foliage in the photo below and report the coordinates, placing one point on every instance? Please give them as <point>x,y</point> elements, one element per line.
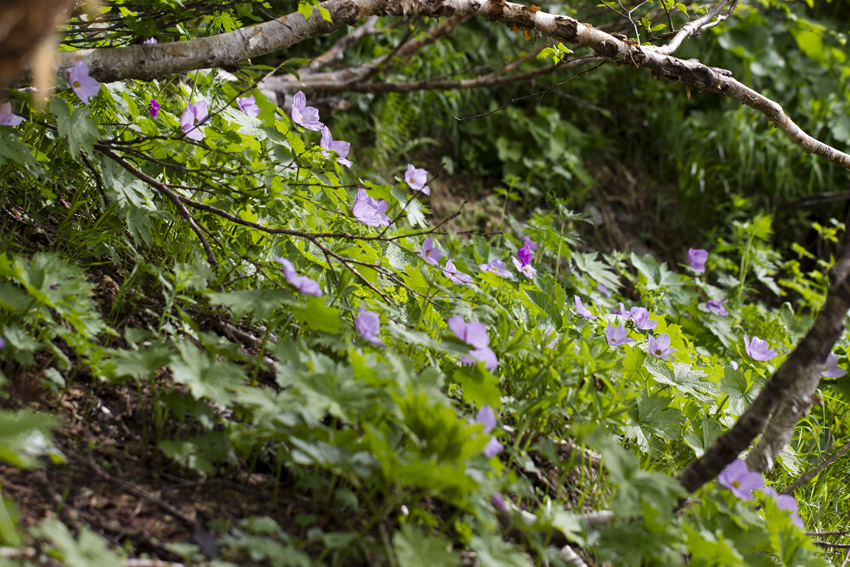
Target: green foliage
<point>238,370</point>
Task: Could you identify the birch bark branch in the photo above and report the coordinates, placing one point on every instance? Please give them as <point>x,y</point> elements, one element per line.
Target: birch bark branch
<point>147,62</point>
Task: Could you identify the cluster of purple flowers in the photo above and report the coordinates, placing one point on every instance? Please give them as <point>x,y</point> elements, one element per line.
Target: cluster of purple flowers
<point>738,478</point>
<point>618,335</point>
<point>432,255</point>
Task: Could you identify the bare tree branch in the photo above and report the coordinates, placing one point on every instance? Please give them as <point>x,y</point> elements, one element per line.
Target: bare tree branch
<point>227,50</point>
<point>802,366</point>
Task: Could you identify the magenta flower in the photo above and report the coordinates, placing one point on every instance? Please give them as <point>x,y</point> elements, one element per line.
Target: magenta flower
<point>304,115</point>
<point>416,179</point>
<point>497,267</point>
<point>582,310</point>
<point>248,105</point>
<point>617,336</point>
<point>785,502</point>
<point>659,347</point>
<point>487,418</point>
<point>154,108</point>
<point>758,349</point>
<point>697,258</point>
<point>455,276</point>
<point>7,118</point>
<point>431,253</point>
<point>193,116</point>
<point>603,290</point>
<point>738,478</point>
<point>524,255</point>
<point>831,369</point>
<point>84,86</point>
<point>529,243</point>
<point>475,335</point>
<point>641,319</point>
<point>368,324</point>
<point>303,284</point>
<point>717,307</point>
<point>328,144</point>
<point>524,269</point>
<point>369,210</point>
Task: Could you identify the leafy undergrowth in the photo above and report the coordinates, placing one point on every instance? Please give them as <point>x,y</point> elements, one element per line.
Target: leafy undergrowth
<point>223,345</point>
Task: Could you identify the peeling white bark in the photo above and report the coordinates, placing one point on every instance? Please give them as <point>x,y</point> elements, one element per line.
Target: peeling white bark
<point>148,62</point>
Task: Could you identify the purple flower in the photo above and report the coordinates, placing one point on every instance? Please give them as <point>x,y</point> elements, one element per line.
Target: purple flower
<point>738,478</point>
<point>368,324</point>
<point>475,335</point>
<point>524,255</point>
<point>582,310</point>
<point>431,253</point>
<point>341,148</point>
<point>697,258</point>
<point>617,336</point>
<point>7,118</point>
<point>149,41</point>
<point>603,290</point>
<point>524,269</point>
<point>717,307</point>
<point>529,243</point>
<point>758,349</point>
<point>554,342</point>
<point>497,267</point>
<point>659,347</point>
<point>369,210</point>
<point>2,342</point>
<point>416,179</point>
<point>303,284</point>
<point>455,276</point>
<point>84,86</point>
<point>785,502</point>
<point>304,115</point>
<point>622,311</point>
<point>193,116</point>
<point>248,105</point>
<point>641,319</point>
<point>56,285</point>
<point>831,369</point>
<point>486,417</point>
<point>154,108</point>
<point>499,503</point>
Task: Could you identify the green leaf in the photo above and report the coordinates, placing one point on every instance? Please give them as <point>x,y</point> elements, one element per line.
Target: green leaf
<point>24,437</point>
<point>88,550</point>
<point>319,316</point>
<point>479,385</point>
<point>206,377</point>
<point>76,125</point>
<point>415,549</point>
<point>683,378</point>
<point>599,271</point>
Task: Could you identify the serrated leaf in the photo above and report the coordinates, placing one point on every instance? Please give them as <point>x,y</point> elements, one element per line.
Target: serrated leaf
<point>76,125</point>
<point>683,378</point>
<point>415,549</point>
